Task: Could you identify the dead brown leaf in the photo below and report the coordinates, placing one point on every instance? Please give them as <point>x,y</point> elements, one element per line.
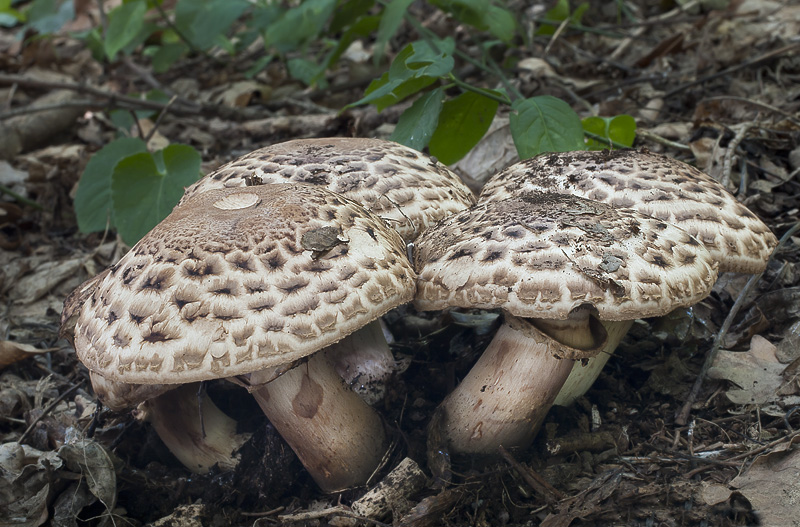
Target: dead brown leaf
<point>11,352</point>
<point>757,373</point>
<point>772,485</point>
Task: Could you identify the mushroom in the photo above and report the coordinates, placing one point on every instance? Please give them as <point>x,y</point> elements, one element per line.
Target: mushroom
<point>235,283</point>
<point>652,184</point>
<point>556,265</point>
<point>406,188</point>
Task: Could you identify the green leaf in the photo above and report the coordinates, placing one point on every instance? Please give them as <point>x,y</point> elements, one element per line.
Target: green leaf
<point>462,123</point>
<point>384,92</point>
<point>165,55</point>
<point>9,17</point>
<point>416,67</point>
<point>620,129</point>
<point>390,23</point>
<point>482,15</point>
<point>204,22</point>
<point>93,203</point>
<point>48,16</point>
<point>416,125</point>
<point>298,25</point>
<point>545,124</point>
<point>124,25</point>
<point>347,12</point>
<point>307,71</point>
<point>557,13</point>
<point>500,23</point>
<point>145,187</point>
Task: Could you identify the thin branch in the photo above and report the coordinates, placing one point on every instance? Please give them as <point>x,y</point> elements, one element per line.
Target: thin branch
<point>486,93</point>
<point>744,65</point>
<point>46,411</point>
<point>22,199</point>
<point>682,416</point>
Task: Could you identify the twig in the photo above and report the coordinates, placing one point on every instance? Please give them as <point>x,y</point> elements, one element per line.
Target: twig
<point>641,30</point>
<point>774,109</point>
<point>22,199</point>
<point>650,136</point>
<point>535,481</point>
<point>159,119</point>
<point>727,162</point>
<point>46,411</point>
<point>744,455</point>
<point>606,140</point>
<point>766,56</point>
<point>328,513</point>
<point>181,107</point>
<point>556,34</point>
<point>6,79</point>
<point>682,416</point>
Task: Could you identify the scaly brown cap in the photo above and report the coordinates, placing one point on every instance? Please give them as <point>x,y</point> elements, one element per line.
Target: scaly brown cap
<point>239,280</point>
<point>652,184</point>
<point>543,255</point>
<point>406,188</point>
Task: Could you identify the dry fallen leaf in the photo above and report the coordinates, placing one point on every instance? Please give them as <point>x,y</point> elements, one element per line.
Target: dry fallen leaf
<point>757,373</point>
<point>11,352</point>
<point>772,485</point>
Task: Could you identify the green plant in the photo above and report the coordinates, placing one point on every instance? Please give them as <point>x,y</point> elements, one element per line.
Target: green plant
<point>130,189</point>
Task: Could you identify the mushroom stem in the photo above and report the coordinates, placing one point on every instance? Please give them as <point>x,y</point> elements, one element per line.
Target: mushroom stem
<point>363,359</point>
<point>583,375</point>
<point>337,436</point>
<point>200,436</point>
<point>505,396</point>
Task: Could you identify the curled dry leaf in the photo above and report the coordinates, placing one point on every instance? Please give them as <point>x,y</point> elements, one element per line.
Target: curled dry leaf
<point>25,475</point>
<point>772,485</point>
<point>757,374</point>
<point>11,352</point>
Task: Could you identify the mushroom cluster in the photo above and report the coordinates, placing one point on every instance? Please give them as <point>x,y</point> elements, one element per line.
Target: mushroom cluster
<point>556,265</point>
<point>652,184</point>
<point>573,247</point>
<point>273,271</point>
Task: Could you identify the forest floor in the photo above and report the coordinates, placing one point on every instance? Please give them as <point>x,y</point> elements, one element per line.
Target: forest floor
<point>718,89</point>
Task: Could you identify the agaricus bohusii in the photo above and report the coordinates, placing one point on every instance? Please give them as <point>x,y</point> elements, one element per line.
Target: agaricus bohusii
<point>242,283</point>
<point>406,188</point>
<point>556,265</point>
<point>652,184</point>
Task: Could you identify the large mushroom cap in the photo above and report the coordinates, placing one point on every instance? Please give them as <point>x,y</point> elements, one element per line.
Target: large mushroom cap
<point>544,255</point>
<point>239,280</point>
<point>406,188</point>
<point>652,184</point>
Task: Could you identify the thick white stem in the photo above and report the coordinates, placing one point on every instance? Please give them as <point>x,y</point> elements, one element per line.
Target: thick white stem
<point>507,393</point>
<point>364,360</point>
<point>583,375</point>
<point>199,436</point>
<point>505,396</point>
<point>338,437</point>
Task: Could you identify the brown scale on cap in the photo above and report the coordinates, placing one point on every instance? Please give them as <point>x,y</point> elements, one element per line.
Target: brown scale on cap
<point>406,188</point>
<point>224,286</point>
<point>544,255</point>
<point>652,184</point>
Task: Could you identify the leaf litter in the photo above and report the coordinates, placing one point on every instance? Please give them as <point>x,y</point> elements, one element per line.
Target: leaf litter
<point>712,86</point>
